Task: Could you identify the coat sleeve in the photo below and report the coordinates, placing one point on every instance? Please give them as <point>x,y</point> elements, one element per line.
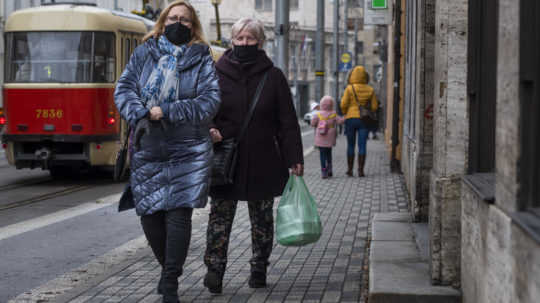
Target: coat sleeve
<point>202,108</point>
<point>127,93</point>
<point>289,137</point>
<point>315,121</point>
<point>345,100</point>
<point>374,102</point>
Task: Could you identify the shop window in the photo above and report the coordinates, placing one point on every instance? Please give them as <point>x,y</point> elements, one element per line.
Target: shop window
<point>481,84</point>
<point>482,93</point>
<point>264,5</point>
<point>529,79</point>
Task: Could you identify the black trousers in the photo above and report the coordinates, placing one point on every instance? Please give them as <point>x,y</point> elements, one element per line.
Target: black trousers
<point>169,235</point>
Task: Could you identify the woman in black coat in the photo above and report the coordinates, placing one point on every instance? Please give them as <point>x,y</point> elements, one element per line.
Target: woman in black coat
<point>270,147</point>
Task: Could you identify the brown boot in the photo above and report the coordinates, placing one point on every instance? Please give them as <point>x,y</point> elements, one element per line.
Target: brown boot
<point>350,164</point>
<point>361,162</point>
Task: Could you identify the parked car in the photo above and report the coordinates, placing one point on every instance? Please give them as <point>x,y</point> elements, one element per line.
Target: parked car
<point>309,116</point>
<point>314,107</point>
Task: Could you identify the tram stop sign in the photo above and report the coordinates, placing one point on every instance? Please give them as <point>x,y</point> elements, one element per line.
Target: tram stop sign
<point>345,62</point>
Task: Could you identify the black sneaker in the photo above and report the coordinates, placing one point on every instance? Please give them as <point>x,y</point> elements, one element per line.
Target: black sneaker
<point>257,279</point>
<point>214,282</point>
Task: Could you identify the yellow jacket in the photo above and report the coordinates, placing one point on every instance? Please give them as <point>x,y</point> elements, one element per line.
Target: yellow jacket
<point>364,93</point>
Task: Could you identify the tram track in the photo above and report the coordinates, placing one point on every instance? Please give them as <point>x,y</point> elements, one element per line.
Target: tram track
<point>41,197</point>
<point>26,183</point>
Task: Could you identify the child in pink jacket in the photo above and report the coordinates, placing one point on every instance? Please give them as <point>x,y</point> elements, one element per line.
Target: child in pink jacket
<point>325,122</point>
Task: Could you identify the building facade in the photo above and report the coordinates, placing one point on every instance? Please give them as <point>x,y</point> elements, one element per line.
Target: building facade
<point>468,83</point>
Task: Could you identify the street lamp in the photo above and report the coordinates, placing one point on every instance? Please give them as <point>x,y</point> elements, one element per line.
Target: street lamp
<point>216,3</point>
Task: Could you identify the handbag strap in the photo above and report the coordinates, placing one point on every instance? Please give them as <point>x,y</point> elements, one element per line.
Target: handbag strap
<point>356,99</point>
<point>127,138</point>
<point>252,108</point>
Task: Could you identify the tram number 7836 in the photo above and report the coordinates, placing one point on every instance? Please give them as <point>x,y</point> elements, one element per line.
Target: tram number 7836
<point>49,113</point>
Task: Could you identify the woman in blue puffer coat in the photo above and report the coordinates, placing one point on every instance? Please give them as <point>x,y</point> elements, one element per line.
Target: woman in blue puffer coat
<point>169,94</point>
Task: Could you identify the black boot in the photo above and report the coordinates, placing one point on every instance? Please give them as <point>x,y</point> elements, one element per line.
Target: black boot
<point>350,164</point>
<point>257,279</point>
<point>361,162</point>
<point>170,292</point>
<point>214,282</point>
<point>160,286</point>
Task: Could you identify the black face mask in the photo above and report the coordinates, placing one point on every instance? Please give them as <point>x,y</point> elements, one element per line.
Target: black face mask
<point>245,52</point>
<point>177,33</point>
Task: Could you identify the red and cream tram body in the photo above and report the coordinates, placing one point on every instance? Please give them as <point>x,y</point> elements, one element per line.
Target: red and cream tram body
<point>61,65</point>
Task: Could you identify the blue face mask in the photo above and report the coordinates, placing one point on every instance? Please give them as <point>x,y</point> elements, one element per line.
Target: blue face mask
<point>245,52</point>
<point>177,33</point>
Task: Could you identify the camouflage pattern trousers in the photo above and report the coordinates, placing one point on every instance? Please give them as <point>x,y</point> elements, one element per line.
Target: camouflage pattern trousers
<point>219,230</point>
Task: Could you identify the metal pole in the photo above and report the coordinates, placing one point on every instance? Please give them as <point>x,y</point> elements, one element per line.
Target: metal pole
<point>295,78</point>
<point>319,51</point>
<point>218,24</point>
<point>345,28</point>
<point>355,47</point>
<point>336,50</point>
<point>394,162</point>
<point>282,36</point>
<point>115,5</point>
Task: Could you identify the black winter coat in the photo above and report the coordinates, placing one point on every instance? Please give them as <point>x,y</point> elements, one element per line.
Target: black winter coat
<point>272,142</point>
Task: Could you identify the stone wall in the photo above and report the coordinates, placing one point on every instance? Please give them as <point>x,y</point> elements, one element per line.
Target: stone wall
<point>450,139</point>
<point>501,260</point>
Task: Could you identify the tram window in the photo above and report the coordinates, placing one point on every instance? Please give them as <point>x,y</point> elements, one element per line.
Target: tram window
<point>104,60</point>
<point>64,57</point>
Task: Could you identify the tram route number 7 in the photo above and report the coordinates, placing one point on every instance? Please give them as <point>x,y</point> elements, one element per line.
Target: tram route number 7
<point>49,113</point>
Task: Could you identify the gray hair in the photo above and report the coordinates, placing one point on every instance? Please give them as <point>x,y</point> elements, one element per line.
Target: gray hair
<point>254,26</point>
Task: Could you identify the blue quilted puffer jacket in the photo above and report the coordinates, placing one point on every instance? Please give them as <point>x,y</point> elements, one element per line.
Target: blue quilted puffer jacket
<point>172,167</point>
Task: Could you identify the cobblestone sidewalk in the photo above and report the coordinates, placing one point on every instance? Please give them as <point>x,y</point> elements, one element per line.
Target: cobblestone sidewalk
<point>330,270</point>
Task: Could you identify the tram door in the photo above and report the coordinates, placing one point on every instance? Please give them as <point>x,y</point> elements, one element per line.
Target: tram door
<point>128,43</point>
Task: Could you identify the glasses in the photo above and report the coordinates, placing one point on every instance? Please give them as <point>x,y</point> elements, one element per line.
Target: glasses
<point>174,19</point>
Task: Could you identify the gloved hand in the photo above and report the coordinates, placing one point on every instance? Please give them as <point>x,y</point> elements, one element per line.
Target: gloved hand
<point>143,127</point>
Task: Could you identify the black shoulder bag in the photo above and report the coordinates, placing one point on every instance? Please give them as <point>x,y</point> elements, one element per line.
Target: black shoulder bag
<point>226,153</point>
<point>368,117</point>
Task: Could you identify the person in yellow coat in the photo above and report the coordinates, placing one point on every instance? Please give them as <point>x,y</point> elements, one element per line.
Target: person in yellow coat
<point>357,94</point>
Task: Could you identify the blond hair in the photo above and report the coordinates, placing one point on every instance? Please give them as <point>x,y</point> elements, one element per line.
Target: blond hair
<point>196,27</point>
<point>254,26</point>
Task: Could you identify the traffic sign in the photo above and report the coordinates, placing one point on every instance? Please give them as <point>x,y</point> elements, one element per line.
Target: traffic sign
<point>345,62</point>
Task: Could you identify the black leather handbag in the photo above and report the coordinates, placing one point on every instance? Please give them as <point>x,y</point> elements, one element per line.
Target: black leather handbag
<point>226,153</point>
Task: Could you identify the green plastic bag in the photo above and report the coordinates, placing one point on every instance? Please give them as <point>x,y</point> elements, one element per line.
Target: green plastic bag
<point>297,221</point>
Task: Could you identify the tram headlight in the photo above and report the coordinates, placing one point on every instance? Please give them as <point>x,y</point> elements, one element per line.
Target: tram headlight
<point>111,120</point>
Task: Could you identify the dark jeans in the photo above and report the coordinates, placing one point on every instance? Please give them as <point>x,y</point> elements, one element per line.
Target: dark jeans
<point>169,234</point>
<point>219,231</point>
<point>326,156</point>
<point>354,127</point>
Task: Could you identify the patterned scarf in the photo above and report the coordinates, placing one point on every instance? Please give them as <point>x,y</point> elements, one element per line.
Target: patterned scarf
<point>161,84</point>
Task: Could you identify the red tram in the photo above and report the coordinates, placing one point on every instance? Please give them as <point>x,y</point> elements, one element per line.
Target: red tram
<point>62,62</point>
